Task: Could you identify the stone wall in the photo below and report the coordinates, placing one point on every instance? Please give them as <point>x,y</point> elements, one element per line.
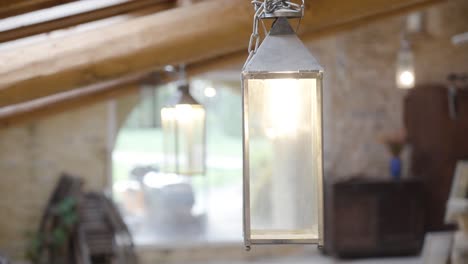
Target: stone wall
<point>361,101</point>
<point>33,155</point>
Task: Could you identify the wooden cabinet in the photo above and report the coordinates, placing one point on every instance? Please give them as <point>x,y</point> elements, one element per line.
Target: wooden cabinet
<point>437,142</point>
<point>376,218</point>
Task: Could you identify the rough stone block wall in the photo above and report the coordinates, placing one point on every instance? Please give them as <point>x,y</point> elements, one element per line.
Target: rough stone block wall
<point>33,155</point>
<point>361,101</point>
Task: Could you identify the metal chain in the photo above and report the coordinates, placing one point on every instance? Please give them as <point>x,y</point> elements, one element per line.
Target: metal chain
<point>263,7</point>
<point>273,5</point>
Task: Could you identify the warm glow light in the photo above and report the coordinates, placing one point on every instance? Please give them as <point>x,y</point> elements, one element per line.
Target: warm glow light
<point>210,92</point>
<point>183,113</point>
<point>183,127</point>
<point>407,78</point>
<point>285,118</point>
<point>282,142</point>
<point>168,114</point>
<point>283,102</point>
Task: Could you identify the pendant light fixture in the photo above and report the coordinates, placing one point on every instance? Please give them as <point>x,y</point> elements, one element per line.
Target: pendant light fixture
<point>282,134</point>
<point>184,129</point>
<point>405,77</point>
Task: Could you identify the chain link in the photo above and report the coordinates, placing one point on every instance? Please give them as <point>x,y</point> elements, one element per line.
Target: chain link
<point>263,7</point>
<point>271,6</point>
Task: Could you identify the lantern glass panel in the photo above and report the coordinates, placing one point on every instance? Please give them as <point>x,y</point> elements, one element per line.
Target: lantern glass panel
<point>405,77</point>
<point>284,159</point>
<point>184,139</point>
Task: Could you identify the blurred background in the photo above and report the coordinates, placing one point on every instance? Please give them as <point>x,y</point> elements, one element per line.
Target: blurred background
<point>83,149</point>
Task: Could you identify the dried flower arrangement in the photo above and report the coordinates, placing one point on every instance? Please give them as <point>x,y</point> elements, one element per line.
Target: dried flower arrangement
<point>395,142</point>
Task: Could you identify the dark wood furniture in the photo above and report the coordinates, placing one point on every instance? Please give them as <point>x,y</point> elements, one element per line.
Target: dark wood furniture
<point>376,218</point>
<point>102,235</point>
<point>93,230</point>
<point>52,248</point>
<point>437,142</point>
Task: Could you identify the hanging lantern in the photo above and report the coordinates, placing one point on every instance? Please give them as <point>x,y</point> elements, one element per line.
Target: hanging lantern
<point>405,78</point>
<point>183,123</point>
<point>282,141</point>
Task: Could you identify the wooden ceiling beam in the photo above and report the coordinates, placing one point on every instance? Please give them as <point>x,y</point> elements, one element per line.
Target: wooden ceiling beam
<point>182,35</point>
<point>17,7</point>
<point>370,18</point>
<point>109,11</point>
<point>39,108</point>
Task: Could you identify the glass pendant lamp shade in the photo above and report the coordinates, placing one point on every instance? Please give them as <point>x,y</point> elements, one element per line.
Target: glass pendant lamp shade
<point>282,142</point>
<point>405,77</point>
<point>183,123</point>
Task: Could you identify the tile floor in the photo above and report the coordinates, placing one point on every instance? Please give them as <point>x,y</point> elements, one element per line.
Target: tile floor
<point>317,259</point>
<point>435,251</point>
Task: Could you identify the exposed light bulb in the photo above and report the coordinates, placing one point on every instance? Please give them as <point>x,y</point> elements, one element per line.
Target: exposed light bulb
<point>406,79</point>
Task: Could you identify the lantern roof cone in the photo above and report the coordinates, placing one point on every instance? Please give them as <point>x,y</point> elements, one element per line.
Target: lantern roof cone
<point>282,51</point>
<point>183,96</point>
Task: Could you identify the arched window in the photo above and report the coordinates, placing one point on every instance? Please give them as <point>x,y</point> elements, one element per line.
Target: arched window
<point>168,209</point>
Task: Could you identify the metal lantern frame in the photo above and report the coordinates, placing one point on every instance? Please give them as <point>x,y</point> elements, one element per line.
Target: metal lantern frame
<point>183,97</point>
<point>281,56</point>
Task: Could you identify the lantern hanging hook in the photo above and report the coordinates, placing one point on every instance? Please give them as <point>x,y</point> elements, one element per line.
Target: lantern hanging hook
<point>179,72</point>
<point>271,9</point>
<point>279,8</point>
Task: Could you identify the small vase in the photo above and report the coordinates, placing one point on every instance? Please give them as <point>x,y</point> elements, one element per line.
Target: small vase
<point>395,168</point>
